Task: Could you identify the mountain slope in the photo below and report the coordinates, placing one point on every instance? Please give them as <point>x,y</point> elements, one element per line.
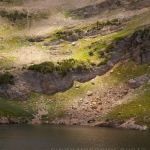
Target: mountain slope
<point>57,47</point>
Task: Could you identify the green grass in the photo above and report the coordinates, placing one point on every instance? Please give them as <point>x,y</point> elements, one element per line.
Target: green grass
<point>67,14</point>
<point>6,78</point>
<point>129,70</point>
<point>139,108</point>
<point>13,111</point>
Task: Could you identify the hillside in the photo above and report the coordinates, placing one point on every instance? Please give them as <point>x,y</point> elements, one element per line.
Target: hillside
<point>75,62</point>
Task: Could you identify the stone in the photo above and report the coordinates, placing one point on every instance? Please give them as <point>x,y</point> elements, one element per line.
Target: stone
<point>111,71</point>
<point>77,86</point>
<point>37,39</point>
<point>74,121</point>
<point>99,103</point>
<point>1,58</point>
<point>89,93</point>
<point>94,107</point>
<point>73,43</point>
<point>91,120</point>
<point>4,120</point>
<point>138,81</point>
<point>81,99</point>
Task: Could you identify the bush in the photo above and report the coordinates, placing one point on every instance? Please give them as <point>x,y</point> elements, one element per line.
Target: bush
<point>101,54</point>
<point>80,65</point>
<point>13,15</point>
<point>45,67</point>
<point>6,78</point>
<point>7,1</point>
<point>91,53</point>
<point>60,35</point>
<point>145,33</point>
<point>67,14</point>
<point>64,66</point>
<point>109,48</point>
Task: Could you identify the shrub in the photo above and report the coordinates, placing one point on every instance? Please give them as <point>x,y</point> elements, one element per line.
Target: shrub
<point>6,78</point>
<point>7,1</point>
<point>13,15</point>
<point>80,65</point>
<point>77,30</point>
<point>104,62</point>
<point>67,14</point>
<point>109,48</point>
<point>64,66</point>
<point>101,54</point>
<point>91,53</point>
<point>45,67</point>
<point>145,33</point>
<point>60,35</point>
<point>135,34</point>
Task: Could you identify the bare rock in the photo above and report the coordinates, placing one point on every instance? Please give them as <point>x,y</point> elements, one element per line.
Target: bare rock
<point>130,124</point>
<point>89,93</point>
<point>1,58</point>
<point>77,86</point>
<point>37,39</point>
<point>4,120</point>
<point>139,81</point>
<point>91,120</point>
<point>73,43</point>
<point>109,123</point>
<point>74,121</point>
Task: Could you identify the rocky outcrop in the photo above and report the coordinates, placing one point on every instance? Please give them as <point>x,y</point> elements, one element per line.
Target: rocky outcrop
<point>49,83</point>
<point>38,38</point>
<point>139,81</point>
<point>92,10</point>
<point>53,42</point>
<point>8,120</point>
<point>134,5</point>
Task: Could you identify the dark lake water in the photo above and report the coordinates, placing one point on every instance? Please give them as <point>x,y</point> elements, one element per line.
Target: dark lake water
<point>48,137</point>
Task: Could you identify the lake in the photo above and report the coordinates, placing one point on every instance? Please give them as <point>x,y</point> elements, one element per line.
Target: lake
<point>51,137</point>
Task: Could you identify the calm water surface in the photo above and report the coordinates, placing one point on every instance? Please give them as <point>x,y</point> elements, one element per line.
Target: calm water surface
<point>48,137</point>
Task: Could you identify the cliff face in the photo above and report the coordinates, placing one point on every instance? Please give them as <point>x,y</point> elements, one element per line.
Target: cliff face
<point>48,83</point>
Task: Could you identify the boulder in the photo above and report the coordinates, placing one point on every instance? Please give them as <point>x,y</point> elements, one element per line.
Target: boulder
<point>1,58</point>
<point>138,81</point>
<point>37,39</point>
<point>4,120</point>
<point>89,93</point>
